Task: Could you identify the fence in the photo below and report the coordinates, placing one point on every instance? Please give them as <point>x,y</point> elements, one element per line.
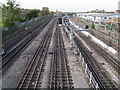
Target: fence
<point>16,27</point>
<point>87,71</point>
<point>106,27</point>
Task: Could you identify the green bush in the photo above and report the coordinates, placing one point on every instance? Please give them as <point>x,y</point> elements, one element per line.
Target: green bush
<point>93,25</point>
<point>32,13</point>
<point>22,19</point>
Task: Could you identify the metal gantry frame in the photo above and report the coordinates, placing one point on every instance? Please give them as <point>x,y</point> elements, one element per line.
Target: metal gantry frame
<point>71,27</point>
<point>88,73</point>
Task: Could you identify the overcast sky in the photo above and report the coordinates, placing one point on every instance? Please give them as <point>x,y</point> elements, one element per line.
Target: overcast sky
<point>69,5</point>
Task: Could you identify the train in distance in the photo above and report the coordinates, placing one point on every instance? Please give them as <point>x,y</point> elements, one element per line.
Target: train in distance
<point>65,20</point>
<point>60,20</point>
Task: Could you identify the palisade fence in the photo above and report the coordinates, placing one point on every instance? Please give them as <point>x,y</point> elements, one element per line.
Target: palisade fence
<point>100,27</point>
<point>81,60</point>
<point>106,27</point>
<point>17,27</point>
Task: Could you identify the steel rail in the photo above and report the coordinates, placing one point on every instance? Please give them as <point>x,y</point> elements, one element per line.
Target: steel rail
<point>10,58</point>
<point>33,74</point>
<point>99,73</point>
<point>112,61</point>
<point>60,74</point>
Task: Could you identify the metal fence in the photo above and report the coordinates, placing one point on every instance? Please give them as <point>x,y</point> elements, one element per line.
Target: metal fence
<point>106,27</point>
<point>17,27</point>
<point>85,67</point>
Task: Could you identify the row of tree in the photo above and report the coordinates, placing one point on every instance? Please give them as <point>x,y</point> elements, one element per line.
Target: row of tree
<point>11,13</point>
<point>96,11</point>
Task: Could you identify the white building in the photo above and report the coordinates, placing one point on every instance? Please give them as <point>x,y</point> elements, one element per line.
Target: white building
<point>96,17</point>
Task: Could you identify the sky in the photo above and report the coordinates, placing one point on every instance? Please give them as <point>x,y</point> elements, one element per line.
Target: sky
<point>69,5</point>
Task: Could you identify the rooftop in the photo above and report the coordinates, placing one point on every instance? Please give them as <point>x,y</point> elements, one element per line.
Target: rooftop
<point>98,14</point>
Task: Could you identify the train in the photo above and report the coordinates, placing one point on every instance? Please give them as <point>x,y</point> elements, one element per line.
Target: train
<point>64,20</point>
<point>60,20</point>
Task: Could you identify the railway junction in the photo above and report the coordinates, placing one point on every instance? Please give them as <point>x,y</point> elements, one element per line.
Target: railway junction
<point>60,54</point>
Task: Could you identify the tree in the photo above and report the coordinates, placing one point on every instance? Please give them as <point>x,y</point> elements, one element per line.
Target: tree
<point>97,11</point>
<point>93,26</point>
<point>70,14</point>
<point>9,12</point>
<point>32,13</point>
<point>44,11</point>
<point>51,13</point>
<point>0,16</point>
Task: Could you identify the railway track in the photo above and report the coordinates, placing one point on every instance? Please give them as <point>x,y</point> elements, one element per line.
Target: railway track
<point>60,76</point>
<point>32,76</point>
<point>99,73</point>
<point>112,61</point>
<point>8,59</point>
<point>104,37</point>
<point>108,41</point>
<point>19,35</point>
